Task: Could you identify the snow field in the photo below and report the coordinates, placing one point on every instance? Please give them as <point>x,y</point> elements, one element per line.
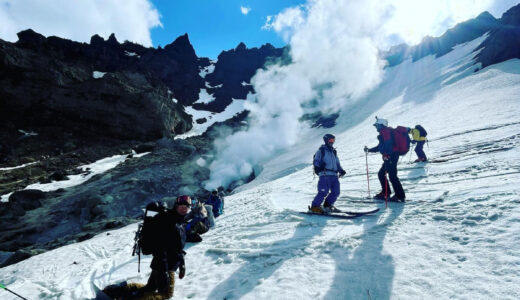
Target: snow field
<point>456,237</point>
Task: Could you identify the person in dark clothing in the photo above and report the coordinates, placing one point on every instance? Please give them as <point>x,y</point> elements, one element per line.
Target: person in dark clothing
<point>327,166</point>
<point>390,159</point>
<point>216,202</point>
<point>167,258</point>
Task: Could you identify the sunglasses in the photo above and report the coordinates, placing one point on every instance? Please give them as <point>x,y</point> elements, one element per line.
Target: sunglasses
<point>183,203</point>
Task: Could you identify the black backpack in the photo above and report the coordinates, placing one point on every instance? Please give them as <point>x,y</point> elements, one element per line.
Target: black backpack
<point>149,237</point>
<point>421,129</point>
<point>148,234</point>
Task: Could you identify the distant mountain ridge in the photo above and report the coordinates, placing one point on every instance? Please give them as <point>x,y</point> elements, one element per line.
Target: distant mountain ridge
<point>502,43</point>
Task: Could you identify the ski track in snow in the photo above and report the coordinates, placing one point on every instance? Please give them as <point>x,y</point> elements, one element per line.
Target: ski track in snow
<point>455,238</point>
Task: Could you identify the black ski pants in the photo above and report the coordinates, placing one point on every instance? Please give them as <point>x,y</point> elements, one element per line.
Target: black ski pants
<point>419,150</point>
<point>390,166</point>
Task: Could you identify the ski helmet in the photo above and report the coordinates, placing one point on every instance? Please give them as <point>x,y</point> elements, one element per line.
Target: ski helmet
<point>380,122</point>
<point>183,200</point>
<point>329,139</point>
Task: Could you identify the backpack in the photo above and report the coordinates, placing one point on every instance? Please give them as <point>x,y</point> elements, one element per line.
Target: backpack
<point>421,129</point>
<point>150,233</point>
<point>401,140</point>
<point>148,236</point>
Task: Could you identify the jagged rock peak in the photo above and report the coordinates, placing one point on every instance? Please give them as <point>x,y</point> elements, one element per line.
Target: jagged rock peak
<point>267,46</point>
<point>512,16</point>
<point>182,42</point>
<point>485,16</point>
<point>112,39</point>
<point>30,37</point>
<point>241,46</point>
<point>96,39</point>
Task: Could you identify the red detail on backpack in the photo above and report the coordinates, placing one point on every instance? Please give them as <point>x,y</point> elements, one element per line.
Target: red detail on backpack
<point>401,143</point>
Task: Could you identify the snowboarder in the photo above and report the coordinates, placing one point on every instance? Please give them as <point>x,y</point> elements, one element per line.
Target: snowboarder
<point>418,134</point>
<point>390,159</point>
<point>327,166</point>
<point>216,201</point>
<point>167,258</point>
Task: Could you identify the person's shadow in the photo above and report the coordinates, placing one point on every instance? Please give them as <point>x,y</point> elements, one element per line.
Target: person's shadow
<point>369,273</point>
<point>267,261</point>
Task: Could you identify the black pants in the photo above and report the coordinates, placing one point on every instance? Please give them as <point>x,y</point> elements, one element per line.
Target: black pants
<point>390,166</point>
<point>419,150</point>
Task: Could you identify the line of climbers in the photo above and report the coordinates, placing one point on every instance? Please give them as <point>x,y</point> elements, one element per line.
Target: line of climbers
<point>163,234</point>
<point>393,142</point>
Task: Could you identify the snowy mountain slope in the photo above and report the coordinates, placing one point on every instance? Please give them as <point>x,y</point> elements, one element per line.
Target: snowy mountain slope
<point>456,238</point>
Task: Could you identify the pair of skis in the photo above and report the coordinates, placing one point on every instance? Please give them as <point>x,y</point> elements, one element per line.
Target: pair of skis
<point>343,214</point>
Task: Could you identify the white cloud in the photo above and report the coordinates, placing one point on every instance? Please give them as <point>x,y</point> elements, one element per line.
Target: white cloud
<point>334,49</point>
<point>80,19</point>
<point>334,61</point>
<point>245,10</point>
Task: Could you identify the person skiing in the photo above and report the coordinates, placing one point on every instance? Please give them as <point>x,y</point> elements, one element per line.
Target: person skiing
<point>216,202</point>
<point>167,258</point>
<point>418,136</point>
<point>327,166</point>
<point>390,159</point>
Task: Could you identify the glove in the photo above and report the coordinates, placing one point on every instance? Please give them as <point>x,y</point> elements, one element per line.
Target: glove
<point>342,173</point>
<point>317,169</point>
<point>365,149</point>
<point>182,267</point>
<point>386,157</point>
<point>182,271</point>
<point>413,141</point>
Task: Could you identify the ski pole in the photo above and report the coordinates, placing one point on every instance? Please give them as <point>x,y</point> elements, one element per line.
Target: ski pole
<point>386,190</point>
<point>410,159</point>
<point>5,288</point>
<point>368,180</point>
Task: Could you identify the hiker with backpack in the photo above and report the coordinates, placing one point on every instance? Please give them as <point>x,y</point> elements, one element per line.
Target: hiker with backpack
<point>198,222</point>
<point>418,134</point>
<point>392,144</point>
<point>217,202</point>
<point>162,235</point>
<point>327,167</point>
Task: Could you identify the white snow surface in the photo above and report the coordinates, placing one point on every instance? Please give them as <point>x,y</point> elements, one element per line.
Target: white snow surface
<point>205,97</point>
<point>456,238</point>
<point>236,107</point>
<point>19,167</point>
<point>98,74</point>
<point>97,167</point>
<point>207,70</point>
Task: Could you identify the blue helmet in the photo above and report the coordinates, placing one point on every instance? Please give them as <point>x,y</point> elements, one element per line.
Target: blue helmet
<point>329,139</point>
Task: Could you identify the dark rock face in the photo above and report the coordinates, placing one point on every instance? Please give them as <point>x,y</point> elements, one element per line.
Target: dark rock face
<point>50,82</point>
<point>233,68</point>
<point>503,43</point>
<point>177,66</point>
<point>512,16</point>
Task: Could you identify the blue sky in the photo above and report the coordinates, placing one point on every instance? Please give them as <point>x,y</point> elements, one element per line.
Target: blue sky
<point>217,25</point>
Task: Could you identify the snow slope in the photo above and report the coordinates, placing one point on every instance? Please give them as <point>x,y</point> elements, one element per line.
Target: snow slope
<point>457,237</point>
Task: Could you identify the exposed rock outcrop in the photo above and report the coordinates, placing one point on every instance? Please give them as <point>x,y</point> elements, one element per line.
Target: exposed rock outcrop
<point>503,43</point>
<point>233,72</point>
